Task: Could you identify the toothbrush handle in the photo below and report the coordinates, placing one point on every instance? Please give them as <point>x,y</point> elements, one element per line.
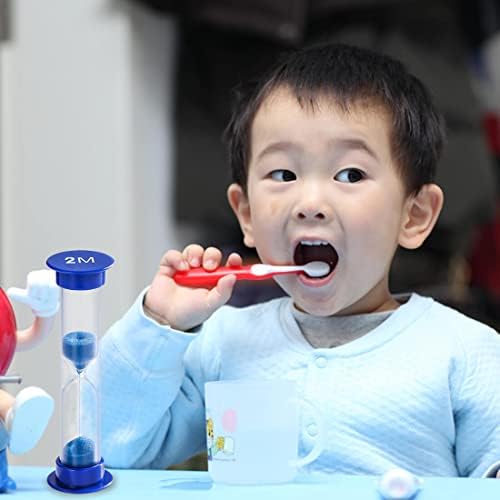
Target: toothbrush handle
<point>201,277</point>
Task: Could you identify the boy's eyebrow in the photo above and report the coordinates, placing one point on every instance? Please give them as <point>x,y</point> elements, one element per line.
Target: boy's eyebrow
<point>339,144</point>
<point>351,143</point>
<point>279,147</point>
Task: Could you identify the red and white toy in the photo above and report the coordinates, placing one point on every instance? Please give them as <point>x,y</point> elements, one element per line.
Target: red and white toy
<point>26,416</point>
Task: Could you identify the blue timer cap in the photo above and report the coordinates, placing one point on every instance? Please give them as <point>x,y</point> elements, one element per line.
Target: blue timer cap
<point>80,269</point>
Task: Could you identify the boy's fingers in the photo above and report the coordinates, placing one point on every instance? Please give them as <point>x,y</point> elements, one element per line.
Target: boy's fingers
<point>211,258</point>
<point>234,260</point>
<point>173,261</point>
<point>193,254</point>
<point>219,295</point>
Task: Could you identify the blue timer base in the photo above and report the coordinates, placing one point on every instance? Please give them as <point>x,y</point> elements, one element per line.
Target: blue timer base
<point>57,485</point>
<point>79,479</point>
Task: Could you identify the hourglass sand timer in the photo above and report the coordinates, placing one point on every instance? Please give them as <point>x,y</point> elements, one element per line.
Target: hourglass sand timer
<point>80,467</point>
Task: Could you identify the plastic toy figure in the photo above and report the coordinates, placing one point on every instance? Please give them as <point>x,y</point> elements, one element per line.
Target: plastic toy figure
<point>23,419</point>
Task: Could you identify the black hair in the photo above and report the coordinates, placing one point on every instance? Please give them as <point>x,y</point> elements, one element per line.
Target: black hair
<point>349,76</point>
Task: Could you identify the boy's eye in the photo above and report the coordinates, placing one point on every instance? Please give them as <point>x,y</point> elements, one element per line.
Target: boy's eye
<point>349,175</point>
<point>283,175</point>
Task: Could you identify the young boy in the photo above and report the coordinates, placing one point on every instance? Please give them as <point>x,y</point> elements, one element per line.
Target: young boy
<point>333,157</point>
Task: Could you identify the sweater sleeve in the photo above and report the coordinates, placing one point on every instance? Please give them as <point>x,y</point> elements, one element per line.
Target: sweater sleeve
<point>151,393</point>
<point>477,403</point>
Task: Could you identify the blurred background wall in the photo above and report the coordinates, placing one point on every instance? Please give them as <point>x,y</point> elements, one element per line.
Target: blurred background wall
<point>86,156</point>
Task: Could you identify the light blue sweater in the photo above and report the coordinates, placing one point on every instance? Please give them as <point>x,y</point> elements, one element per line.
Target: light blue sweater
<point>421,391</point>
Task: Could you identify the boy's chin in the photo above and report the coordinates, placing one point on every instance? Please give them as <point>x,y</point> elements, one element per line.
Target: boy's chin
<point>315,302</point>
<point>315,309</point>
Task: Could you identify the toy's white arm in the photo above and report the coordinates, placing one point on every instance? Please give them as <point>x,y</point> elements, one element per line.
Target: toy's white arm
<point>42,295</point>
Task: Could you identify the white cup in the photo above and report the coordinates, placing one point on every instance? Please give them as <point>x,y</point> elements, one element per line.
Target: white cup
<point>253,431</point>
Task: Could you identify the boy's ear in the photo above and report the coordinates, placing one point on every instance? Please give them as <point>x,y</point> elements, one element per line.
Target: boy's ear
<point>421,213</point>
<point>239,203</point>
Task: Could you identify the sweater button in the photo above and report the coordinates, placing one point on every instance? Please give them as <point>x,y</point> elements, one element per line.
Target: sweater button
<point>312,430</point>
<point>321,362</point>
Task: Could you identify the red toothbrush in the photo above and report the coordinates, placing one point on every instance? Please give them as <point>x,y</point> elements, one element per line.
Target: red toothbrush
<point>201,277</point>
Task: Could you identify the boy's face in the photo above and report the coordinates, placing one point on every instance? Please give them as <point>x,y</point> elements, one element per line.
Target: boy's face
<point>325,177</point>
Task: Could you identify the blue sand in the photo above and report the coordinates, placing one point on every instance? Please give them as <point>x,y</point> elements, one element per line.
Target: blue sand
<point>80,348</point>
<point>79,452</point>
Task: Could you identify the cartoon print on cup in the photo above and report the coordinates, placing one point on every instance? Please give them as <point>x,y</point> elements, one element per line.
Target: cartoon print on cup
<point>224,444</point>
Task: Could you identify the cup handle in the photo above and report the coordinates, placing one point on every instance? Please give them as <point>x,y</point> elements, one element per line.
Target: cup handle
<point>319,442</point>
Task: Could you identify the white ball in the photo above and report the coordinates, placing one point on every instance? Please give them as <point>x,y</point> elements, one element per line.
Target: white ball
<point>398,484</point>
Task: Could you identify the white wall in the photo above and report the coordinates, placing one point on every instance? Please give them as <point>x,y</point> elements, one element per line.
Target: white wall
<point>86,155</point>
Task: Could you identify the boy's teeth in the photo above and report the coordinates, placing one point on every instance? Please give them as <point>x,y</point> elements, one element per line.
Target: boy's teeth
<point>314,242</point>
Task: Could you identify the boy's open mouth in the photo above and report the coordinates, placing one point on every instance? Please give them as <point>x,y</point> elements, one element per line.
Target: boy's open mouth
<point>309,251</point>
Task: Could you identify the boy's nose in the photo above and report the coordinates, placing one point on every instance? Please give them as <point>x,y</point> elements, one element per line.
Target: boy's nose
<point>313,202</point>
<point>313,210</point>
<point>311,213</point>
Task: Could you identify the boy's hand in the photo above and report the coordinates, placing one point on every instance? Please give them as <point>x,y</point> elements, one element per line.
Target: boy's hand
<point>181,307</point>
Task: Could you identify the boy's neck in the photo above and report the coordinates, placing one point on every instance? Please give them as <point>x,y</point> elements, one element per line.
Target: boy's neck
<point>378,299</point>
